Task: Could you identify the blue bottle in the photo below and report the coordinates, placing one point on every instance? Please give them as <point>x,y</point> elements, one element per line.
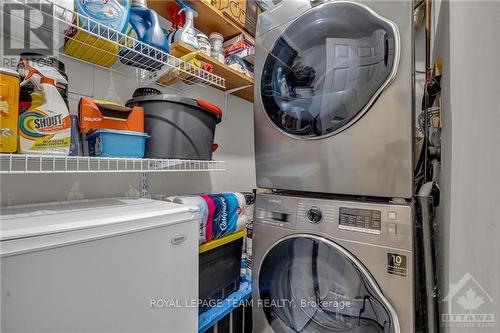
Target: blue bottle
<point>147,25</point>
<point>110,13</point>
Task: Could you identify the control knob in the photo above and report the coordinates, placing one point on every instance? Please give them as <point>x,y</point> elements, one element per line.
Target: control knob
<point>314,214</point>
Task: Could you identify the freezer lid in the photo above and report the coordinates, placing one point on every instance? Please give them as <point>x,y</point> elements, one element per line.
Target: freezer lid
<point>25,221</point>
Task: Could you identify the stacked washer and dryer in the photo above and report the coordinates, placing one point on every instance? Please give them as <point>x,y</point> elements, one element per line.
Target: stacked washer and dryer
<point>333,232</point>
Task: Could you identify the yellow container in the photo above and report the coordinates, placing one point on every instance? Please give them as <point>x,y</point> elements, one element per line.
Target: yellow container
<point>87,47</point>
<point>9,110</point>
<point>221,241</point>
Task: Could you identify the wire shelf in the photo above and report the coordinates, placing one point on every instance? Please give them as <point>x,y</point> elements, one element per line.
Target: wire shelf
<point>47,164</point>
<point>91,42</point>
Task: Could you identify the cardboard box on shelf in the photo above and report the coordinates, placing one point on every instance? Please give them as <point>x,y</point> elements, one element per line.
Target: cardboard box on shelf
<point>242,12</point>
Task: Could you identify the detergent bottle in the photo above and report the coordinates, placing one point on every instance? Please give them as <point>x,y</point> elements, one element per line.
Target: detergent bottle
<point>45,128</point>
<point>147,25</point>
<point>102,14</point>
<point>145,28</point>
<point>110,13</point>
<point>187,34</point>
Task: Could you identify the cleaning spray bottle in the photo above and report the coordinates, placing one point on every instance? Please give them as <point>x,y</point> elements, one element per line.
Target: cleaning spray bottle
<point>46,127</point>
<point>187,34</point>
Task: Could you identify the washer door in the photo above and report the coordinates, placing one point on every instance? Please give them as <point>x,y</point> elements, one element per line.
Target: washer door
<point>310,284</point>
<point>327,68</point>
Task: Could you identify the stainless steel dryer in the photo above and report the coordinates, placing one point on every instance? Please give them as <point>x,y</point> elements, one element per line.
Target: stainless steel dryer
<point>333,97</point>
<point>332,266</point>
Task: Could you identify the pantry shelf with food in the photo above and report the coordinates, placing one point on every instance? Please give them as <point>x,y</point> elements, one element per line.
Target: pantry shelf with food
<point>234,79</point>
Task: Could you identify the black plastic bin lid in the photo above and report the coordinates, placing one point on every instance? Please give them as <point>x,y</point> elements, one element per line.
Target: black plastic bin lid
<point>150,94</point>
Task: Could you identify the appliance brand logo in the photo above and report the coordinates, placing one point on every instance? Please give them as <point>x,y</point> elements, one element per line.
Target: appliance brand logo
<point>475,306</point>
<point>223,223</point>
<point>92,119</point>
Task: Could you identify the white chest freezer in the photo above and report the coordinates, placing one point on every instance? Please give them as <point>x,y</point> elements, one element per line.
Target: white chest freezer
<point>108,265</point>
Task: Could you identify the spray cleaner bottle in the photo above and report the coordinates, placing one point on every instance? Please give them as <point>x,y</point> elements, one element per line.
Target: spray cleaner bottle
<point>45,128</point>
<point>187,34</point>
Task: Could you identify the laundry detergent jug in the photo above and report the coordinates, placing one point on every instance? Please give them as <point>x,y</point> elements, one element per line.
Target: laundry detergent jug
<point>109,13</point>
<point>112,14</point>
<point>146,25</point>
<point>46,127</point>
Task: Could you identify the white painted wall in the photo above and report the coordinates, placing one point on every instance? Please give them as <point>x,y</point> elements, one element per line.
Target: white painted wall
<point>234,136</point>
<point>468,37</point>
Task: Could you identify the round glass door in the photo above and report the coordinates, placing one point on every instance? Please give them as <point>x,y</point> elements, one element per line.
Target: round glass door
<point>327,68</point>
<point>309,284</point>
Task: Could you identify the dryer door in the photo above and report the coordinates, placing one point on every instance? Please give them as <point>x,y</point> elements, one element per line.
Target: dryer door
<point>327,68</point>
<point>310,284</point>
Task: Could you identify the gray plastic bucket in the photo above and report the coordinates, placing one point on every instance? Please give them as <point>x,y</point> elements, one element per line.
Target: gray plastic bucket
<point>179,127</point>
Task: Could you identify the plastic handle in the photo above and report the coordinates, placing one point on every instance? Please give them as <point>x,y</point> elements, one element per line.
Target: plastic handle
<point>210,107</point>
<point>183,5</point>
<point>188,10</point>
<point>28,77</point>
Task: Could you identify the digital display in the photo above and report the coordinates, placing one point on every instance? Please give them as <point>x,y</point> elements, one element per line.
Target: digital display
<point>362,220</point>
<point>272,216</point>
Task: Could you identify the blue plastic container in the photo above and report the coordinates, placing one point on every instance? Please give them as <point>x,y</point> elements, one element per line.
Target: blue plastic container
<point>209,318</point>
<point>109,143</point>
<point>146,25</point>
<point>110,13</point>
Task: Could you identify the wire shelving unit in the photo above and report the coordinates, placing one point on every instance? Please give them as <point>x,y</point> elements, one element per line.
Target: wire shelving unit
<point>132,57</point>
<point>51,164</point>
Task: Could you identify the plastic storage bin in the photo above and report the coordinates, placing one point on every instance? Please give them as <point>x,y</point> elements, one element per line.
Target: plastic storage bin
<point>219,269</point>
<point>180,127</point>
<point>235,311</point>
<point>108,143</point>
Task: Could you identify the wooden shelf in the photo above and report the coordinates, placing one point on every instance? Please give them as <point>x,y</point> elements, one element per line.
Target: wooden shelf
<point>234,79</point>
<point>209,19</point>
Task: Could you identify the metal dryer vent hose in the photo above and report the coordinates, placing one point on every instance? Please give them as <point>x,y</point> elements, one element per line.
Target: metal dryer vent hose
<point>427,203</point>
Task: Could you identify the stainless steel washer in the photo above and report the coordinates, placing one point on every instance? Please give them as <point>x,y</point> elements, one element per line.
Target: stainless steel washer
<point>324,265</point>
<point>333,97</point>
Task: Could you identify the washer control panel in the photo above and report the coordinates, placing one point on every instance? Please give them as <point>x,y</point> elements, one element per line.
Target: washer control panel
<point>362,220</point>
<point>384,224</point>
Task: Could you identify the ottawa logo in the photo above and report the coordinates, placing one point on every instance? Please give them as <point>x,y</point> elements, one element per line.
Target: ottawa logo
<point>469,305</point>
